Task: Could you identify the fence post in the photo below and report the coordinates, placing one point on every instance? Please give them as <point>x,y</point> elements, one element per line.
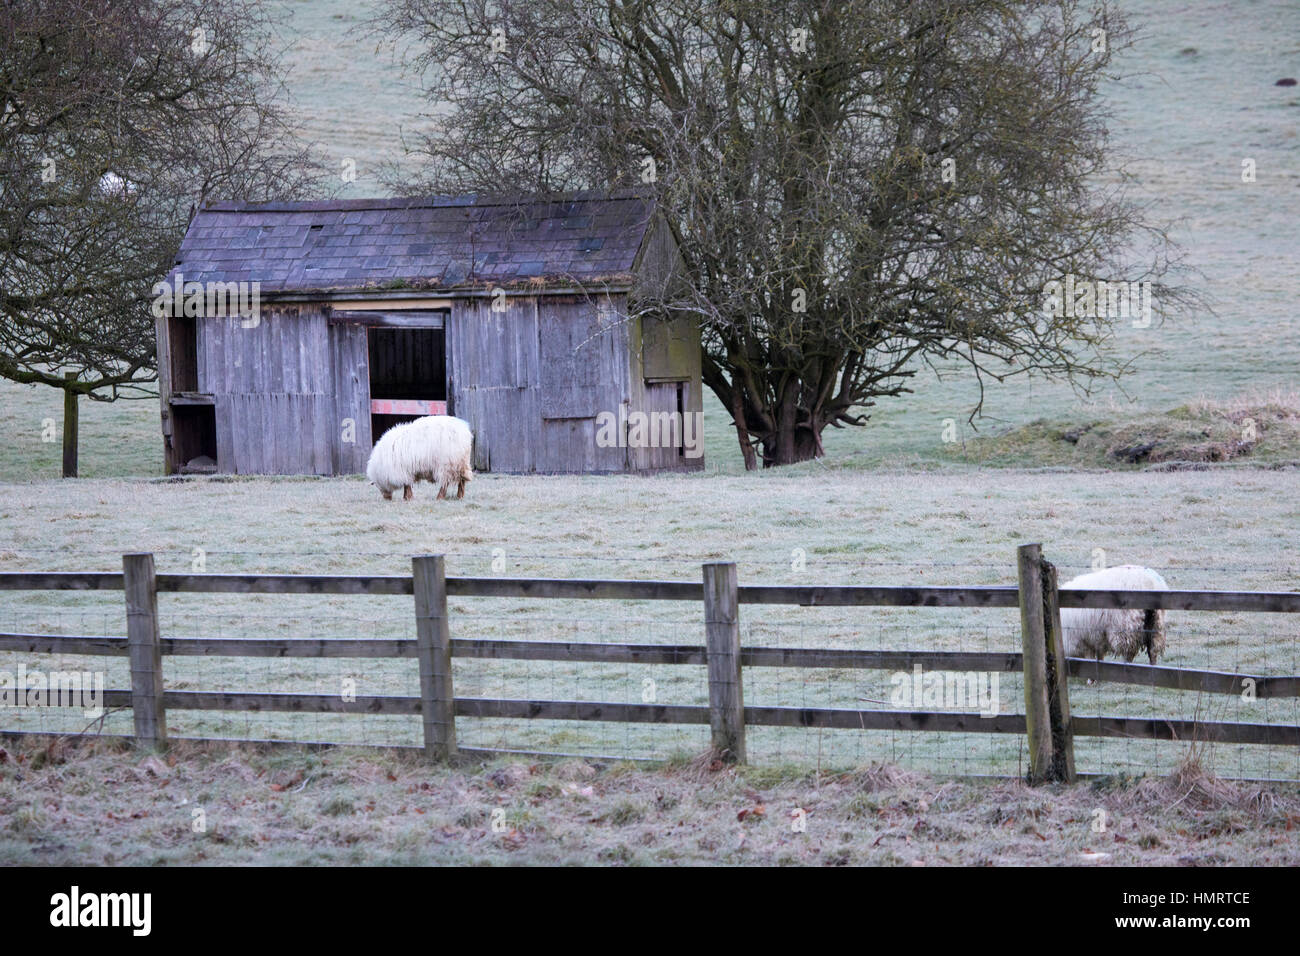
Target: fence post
<point>722,636</point>
<point>145,649</point>
<point>433,647</point>
<point>1033,640</point>
<point>1057,679</point>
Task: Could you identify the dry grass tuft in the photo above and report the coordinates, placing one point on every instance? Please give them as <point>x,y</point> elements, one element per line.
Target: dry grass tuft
<point>883,776</point>
<point>705,766</point>
<point>1195,788</point>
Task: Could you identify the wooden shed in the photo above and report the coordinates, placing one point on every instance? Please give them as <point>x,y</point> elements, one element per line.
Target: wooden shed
<point>519,316</point>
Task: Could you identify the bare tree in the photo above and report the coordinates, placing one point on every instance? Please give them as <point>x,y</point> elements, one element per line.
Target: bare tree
<point>859,188</point>
<point>118,120</point>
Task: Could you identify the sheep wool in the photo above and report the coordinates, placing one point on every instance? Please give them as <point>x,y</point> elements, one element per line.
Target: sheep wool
<point>436,448</point>
<point>1096,632</point>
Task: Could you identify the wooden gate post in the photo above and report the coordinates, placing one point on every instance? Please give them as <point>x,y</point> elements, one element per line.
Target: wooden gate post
<point>433,647</point>
<point>1033,641</point>
<point>1058,702</point>
<point>722,636</point>
<point>145,649</point>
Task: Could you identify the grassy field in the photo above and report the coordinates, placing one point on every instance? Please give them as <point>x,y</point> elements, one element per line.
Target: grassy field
<point>1230,527</point>
<point>61,806</point>
<point>1189,469</point>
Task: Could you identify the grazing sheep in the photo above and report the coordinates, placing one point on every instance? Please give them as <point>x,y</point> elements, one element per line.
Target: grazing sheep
<point>1095,632</point>
<point>435,448</point>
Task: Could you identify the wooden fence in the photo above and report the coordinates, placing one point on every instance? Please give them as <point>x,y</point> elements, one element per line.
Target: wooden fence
<point>1046,722</point>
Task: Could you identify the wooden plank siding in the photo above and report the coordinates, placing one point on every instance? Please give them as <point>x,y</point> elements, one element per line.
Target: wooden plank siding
<point>532,381</point>
<point>282,390</point>
<point>493,358</point>
<point>583,350</point>
<point>349,356</point>
<point>164,350</point>
<point>665,357</point>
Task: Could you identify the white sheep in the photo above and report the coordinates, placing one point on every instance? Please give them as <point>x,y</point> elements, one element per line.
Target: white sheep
<point>435,448</point>
<point>1095,632</point>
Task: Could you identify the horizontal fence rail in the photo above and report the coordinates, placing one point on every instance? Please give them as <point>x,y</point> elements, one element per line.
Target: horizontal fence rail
<point>1285,602</point>
<point>829,718</point>
<point>726,714</point>
<point>1173,678</point>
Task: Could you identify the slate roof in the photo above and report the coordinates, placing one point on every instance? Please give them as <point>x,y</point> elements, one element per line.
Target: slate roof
<point>438,243</point>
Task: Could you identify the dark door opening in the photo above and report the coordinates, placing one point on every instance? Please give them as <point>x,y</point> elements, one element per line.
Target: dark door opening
<point>192,443</point>
<point>194,438</point>
<point>408,375</point>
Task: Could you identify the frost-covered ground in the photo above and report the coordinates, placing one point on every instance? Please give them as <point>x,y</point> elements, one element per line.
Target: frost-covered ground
<point>1228,529</point>
<point>63,807</point>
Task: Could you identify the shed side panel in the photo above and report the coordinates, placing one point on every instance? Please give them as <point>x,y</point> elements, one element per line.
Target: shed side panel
<point>583,354</point>
<point>271,387</point>
<point>351,386</point>
<point>494,365</point>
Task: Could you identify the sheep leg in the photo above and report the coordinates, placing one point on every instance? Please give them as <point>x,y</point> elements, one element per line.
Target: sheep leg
<point>407,493</point>
<point>1100,654</point>
<point>460,489</point>
<point>1149,634</point>
<point>388,495</point>
<point>442,492</point>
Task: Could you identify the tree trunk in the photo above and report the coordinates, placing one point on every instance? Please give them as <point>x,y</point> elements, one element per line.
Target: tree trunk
<point>786,417</point>
<point>794,440</point>
<point>796,436</point>
<point>789,447</point>
<point>69,429</point>
<point>742,434</point>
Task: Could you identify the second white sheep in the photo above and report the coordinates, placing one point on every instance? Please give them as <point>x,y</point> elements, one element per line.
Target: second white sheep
<point>1096,632</point>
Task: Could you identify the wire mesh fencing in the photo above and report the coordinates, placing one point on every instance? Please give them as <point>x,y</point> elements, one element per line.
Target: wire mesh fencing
<point>30,683</point>
<point>902,685</point>
<point>1238,643</point>
<point>1243,644</point>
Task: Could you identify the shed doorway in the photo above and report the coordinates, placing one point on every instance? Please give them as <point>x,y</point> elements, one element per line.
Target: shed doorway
<point>408,369</point>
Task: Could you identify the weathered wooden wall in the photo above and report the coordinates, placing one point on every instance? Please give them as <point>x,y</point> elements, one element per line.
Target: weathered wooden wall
<point>351,383</point>
<point>665,357</point>
<point>493,379</point>
<point>290,391</point>
<point>282,390</point>
<point>531,380</point>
